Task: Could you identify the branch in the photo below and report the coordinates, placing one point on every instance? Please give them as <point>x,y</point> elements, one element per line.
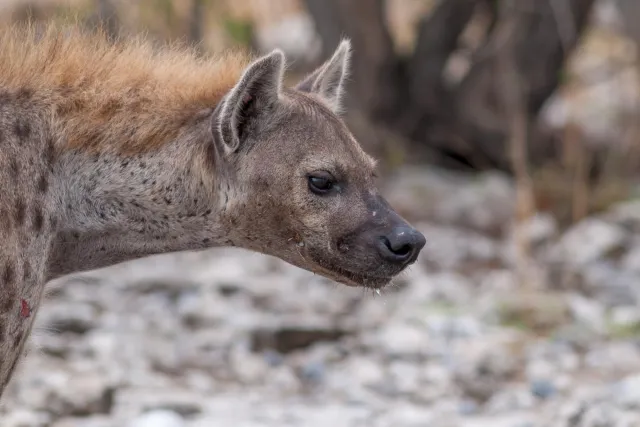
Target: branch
<point>437,38</point>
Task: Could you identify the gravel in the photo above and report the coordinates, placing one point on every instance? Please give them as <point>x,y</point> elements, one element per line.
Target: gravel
<point>231,338</point>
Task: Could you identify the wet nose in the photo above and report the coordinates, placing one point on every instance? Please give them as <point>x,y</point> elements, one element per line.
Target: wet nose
<point>402,245</point>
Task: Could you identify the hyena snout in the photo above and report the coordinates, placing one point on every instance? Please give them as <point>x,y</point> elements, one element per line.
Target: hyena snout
<point>401,245</point>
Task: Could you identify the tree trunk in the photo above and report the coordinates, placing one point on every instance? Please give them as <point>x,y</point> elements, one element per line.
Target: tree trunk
<point>196,22</point>
<point>374,62</point>
<point>108,17</point>
<point>465,125</point>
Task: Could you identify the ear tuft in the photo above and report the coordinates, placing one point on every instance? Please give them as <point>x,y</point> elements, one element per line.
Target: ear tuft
<point>258,89</point>
<point>327,81</point>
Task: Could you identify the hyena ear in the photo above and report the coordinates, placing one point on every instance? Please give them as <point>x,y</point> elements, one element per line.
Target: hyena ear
<point>327,81</point>
<point>258,89</point>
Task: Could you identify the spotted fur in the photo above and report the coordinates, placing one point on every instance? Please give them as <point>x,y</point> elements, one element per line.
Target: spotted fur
<point>112,151</point>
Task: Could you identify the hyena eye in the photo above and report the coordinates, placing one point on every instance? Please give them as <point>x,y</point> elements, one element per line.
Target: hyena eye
<point>321,182</point>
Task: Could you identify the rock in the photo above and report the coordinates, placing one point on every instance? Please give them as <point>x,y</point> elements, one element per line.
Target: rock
<point>602,414</point>
<point>402,340</point>
<point>93,421</point>
<point>289,338</point>
<point>624,321</point>
<point>538,230</point>
<point>450,288</point>
<point>407,415</point>
<point>631,260</point>
<point>199,308</point>
<point>485,203</point>
<point>365,371</point>
<point>25,418</point>
<point>87,394</point>
<point>77,318</point>
<point>451,327</point>
<point>589,240</point>
<point>482,369</point>
<point>510,399</point>
<point>576,335</point>
<point>313,372</point>
<point>159,418</point>
<point>610,285</point>
<point>248,367</point>
<point>588,312</point>
<point>451,248</point>
<point>543,389</point>
<point>167,399</point>
<point>535,310</point>
<point>468,407</point>
<point>625,214</point>
<point>405,377</point>
<point>613,357</point>
<point>627,392</point>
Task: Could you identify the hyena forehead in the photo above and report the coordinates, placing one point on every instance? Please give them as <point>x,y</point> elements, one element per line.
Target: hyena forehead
<point>323,137</point>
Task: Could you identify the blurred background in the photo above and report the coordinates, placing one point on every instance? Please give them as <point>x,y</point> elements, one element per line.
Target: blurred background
<point>508,133</point>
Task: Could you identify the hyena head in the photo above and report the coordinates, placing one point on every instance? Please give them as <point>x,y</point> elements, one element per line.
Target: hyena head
<point>295,184</point>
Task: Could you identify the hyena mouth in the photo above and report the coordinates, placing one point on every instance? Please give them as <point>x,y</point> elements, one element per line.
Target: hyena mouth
<point>348,277</point>
<point>367,281</point>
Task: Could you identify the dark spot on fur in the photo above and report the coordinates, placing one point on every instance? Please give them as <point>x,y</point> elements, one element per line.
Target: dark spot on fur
<point>38,219</point>
<point>15,168</point>
<point>206,241</point>
<point>24,94</point>
<point>50,152</point>
<point>16,344</point>
<point>10,296</point>
<point>22,129</point>
<point>43,184</point>
<point>9,274</point>
<point>19,212</point>
<point>26,270</point>
<point>4,97</point>
<point>5,220</point>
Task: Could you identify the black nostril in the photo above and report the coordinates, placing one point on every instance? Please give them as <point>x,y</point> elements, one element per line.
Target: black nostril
<point>398,249</point>
<point>404,250</point>
<point>403,244</point>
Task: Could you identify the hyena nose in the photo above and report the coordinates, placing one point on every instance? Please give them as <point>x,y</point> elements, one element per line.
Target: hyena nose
<point>402,245</point>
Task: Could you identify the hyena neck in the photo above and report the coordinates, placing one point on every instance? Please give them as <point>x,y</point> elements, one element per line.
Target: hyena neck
<point>122,206</point>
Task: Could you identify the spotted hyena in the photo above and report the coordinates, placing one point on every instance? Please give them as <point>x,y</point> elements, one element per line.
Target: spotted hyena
<point>114,151</point>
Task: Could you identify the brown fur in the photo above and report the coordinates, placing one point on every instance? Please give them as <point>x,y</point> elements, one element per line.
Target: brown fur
<point>114,151</point>
<point>97,88</point>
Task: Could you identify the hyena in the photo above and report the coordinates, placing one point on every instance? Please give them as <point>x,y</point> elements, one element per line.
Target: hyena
<point>115,150</point>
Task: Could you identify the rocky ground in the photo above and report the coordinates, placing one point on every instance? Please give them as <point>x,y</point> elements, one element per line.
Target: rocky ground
<point>229,338</point>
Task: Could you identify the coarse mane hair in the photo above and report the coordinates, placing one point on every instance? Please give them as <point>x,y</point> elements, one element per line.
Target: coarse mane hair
<point>113,95</point>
